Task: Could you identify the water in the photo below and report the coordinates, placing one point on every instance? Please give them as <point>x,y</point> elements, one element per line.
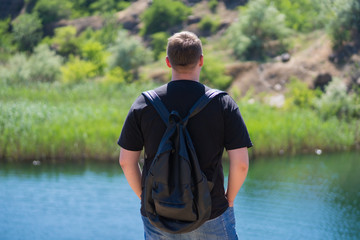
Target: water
<point>308,197</point>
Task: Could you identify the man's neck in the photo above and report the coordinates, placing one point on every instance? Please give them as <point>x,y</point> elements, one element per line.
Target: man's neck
<point>184,76</point>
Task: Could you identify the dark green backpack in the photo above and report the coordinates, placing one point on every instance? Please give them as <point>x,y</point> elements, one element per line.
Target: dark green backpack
<point>177,193</point>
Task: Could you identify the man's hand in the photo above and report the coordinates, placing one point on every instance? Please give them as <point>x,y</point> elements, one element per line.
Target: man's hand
<point>239,165</point>
<point>129,162</point>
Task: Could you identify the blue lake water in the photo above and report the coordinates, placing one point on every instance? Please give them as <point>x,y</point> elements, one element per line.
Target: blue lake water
<point>303,197</point>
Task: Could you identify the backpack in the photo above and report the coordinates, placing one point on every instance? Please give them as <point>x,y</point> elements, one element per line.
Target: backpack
<point>176,192</point>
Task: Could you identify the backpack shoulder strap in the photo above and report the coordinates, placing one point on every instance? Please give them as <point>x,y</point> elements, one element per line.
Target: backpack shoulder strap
<point>202,102</point>
<point>155,100</point>
<point>198,106</point>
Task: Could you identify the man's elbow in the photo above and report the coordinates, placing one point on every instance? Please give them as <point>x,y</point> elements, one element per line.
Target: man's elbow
<point>244,166</point>
<point>122,161</point>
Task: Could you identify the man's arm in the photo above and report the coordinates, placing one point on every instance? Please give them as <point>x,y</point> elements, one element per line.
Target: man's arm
<point>129,162</point>
<point>239,165</point>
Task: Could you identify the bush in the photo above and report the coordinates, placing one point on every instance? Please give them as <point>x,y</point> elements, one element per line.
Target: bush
<point>128,53</point>
<point>106,35</point>
<point>27,31</point>
<point>93,51</point>
<point>162,15</point>
<point>65,41</point>
<point>159,43</point>
<point>45,64</point>
<point>116,75</point>
<point>337,102</point>
<point>345,25</point>
<point>209,24</point>
<point>213,5</point>
<point>302,15</point>
<point>213,73</point>
<point>52,11</point>
<point>259,23</point>
<point>42,66</point>
<point>6,40</point>
<point>299,95</point>
<point>103,6</point>
<point>77,70</point>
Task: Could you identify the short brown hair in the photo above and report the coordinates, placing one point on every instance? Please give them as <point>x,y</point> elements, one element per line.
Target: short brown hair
<point>184,49</point>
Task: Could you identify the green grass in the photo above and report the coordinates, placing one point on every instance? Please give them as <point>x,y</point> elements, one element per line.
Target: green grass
<point>63,122</point>
<point>275,131</point>
<point>55,121</point>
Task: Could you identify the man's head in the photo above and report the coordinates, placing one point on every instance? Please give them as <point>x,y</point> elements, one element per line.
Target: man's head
<point>184,51</point>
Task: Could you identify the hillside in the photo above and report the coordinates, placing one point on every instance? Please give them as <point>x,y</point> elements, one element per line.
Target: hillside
<point>310,58</point>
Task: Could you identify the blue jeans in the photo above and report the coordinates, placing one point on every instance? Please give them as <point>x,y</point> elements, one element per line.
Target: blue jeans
<point>222,228</point>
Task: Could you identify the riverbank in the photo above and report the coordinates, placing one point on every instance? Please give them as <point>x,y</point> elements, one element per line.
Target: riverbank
<point>83,121</point>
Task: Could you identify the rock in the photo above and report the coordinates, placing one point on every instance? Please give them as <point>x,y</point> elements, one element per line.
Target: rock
<point>193,19</point>
<point>322,80</point>
<point>277,87</point>
<point>285,57</point>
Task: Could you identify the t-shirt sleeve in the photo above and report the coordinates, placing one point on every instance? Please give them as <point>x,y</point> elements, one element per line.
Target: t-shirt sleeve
<point>131,137</point>
<point>236,134</point>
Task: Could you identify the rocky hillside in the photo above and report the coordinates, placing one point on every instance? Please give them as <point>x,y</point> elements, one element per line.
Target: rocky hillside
<point>311,59</point>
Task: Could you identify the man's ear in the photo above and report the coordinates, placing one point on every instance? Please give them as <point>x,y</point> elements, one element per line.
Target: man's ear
<point>168,62</point>
<point>201,60</point>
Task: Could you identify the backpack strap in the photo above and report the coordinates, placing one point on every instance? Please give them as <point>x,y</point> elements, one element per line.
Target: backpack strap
<point>155,100</point>
<point>201,103</point>
<point>198,106</point>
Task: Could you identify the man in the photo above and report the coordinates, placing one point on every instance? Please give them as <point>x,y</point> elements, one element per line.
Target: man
<point>219,125</point>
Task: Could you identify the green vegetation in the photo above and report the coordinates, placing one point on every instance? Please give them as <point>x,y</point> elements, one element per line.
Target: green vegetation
<point>164,14</point>
<point>66,95</point>
<point>345,25</point>
<point>259,23</point>
<point>302,15</point>
<point>52,121</point>
<point>42,66</point>
<point>209,24</point>
<point>27,31</point>
<point>128,53</point>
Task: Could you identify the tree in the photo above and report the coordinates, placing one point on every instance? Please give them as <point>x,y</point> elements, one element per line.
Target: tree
<point>259,23</point>
<point>345,26</point>
<point>27,31</point>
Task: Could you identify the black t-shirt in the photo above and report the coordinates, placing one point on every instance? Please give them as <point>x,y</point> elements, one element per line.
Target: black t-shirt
<point>218,125</point>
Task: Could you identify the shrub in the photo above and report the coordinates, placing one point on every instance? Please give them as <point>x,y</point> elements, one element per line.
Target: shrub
<point>27,31</point>
<point>337,102</point>
<point>52,11</point>
<point>159,43</point>
<point>104,6</point>
<point>107,34</point>
<point>42,66</point>
<point>162,15</point>
<point>93,51</point>
<point>259,23</point>
<point>128,53</point>
<point>213,73</point>
<point>302,15</point>
<point>115,75</point>
<point>65,41</point>
<point>209,24</point>
<point>77,70</point>
<point>346,22</point>
<point>299,94</point>
<point>213,5</point>
<point>6,40</point>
